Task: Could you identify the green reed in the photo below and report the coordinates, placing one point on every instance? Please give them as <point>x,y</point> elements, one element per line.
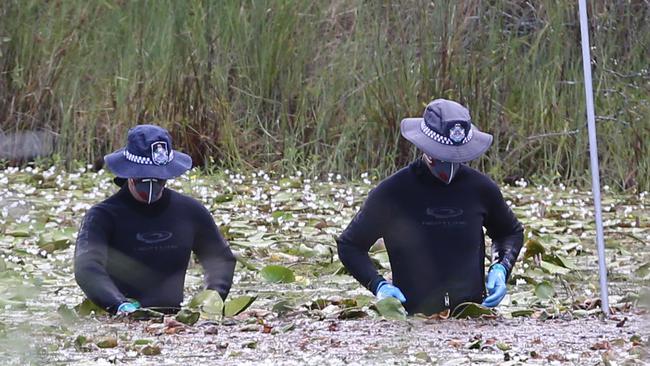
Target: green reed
<point>321,86</point>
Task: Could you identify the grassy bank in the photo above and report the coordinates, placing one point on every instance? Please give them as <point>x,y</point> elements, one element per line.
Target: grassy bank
<point>321,86</point>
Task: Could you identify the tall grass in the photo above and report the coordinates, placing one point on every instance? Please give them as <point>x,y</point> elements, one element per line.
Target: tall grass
<point>322,85</point>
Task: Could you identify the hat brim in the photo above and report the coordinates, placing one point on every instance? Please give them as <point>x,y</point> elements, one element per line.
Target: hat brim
<point>477,146</point>
<point>123,168</point>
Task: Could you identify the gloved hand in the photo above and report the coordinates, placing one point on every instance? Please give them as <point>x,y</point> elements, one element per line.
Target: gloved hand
<point>128,307</point>
<point>385,289</point>
<point>496,285</point>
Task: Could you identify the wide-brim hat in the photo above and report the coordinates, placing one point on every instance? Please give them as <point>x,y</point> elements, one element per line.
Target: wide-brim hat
<point>148,154</point>
<point>446,132</point>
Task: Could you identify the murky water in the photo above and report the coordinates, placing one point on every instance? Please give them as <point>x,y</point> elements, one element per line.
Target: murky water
<point>324,316</point>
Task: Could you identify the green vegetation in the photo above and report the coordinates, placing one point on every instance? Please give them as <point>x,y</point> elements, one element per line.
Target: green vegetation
<point>292,301</point>
<point>321,86</point>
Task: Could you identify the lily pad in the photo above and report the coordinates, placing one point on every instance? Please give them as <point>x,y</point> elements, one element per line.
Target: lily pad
<point>56,240</point>
<point>553,268</point>
<point>80,342</point>
<point>19,231</point>
<point>150,350</point>
<point>277,274</point>
<point>544,290</point>
<point>107,342</point>
<point>391,308</point>
<point>236,305</point>
<point>88,307</point>
<point>142,341</point>
<point>522,313</point>
<point>187,316</point>
<point>282,307</point>
<point>471,310</point>
<point>643,271</point>
<point>147,314</point>
<point>209,304</point>
<point>352,313</point>
<point>67,314</point>
<point>533,248</point>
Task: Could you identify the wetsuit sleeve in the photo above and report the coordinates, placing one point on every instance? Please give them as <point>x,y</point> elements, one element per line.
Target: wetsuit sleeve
<point>355,241</point>
<point>90,261</point>
<point>504,229</point>
<point>214,254</point>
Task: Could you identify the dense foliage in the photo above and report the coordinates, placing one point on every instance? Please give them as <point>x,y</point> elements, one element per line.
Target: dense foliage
<point>322,85</point>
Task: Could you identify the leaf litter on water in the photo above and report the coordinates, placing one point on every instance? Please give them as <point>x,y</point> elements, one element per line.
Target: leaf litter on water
<point>292,226</point>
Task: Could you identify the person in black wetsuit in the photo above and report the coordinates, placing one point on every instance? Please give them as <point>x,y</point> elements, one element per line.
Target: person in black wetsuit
<point>133,249</point>
<point>431,216</point>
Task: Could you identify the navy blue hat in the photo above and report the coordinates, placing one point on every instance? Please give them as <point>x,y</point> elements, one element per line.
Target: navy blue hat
<point>148,154</point>
<point>446,132</point>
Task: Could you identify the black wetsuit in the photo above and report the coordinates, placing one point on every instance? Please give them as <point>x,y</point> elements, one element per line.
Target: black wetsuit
<point>433,233</point>
<point>128,249</point>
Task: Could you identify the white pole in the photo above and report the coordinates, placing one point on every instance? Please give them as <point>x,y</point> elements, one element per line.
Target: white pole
<point>593,153</point>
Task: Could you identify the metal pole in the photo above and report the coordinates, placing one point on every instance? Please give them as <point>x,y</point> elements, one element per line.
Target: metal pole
<point>593,153</point>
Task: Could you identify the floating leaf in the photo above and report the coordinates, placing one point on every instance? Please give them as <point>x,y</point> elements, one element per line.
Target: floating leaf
<point>208,303</point>
<point>282,214</point>
<point>471,310</point>
<point>19,231</point>
<point>146,314</point>
<point>348,303</point>
<point>423,356</point>
<point>544,290</point>
<point>107,342</point>
<point>287,327</point>
<point>503,346</point>
<point>563,261</point>
<point>55,240</point>
<point>88,307</point>
<point>533,248</point>
<point>187,316</point>
<point>221,198</point>
<point>290,183</point>
<point>67,314</point>
<point>319,304</point>
<point>553,268</point>
<point>391,308</point>
<point>142,342</point>
<point>352,313</point>
<point>277,274</point>
<point>643,271</point>
<point>282,307</point>
<point>150,350</point>
<point>236,305</point>
<point>522,313</point>
<point>79,342</point>
<point>476,344</point>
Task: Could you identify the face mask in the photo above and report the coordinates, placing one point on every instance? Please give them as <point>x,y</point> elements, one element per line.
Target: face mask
<point>149,189</point>
<point>443,170</point>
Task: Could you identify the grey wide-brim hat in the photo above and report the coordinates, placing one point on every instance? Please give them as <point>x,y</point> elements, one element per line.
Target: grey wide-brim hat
<point>446,133</point>
<point>148,154</point>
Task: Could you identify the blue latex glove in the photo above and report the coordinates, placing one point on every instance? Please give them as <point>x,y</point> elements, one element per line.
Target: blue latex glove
<point>496,285</point>
<point>385,289</point>
<point>128,307</point>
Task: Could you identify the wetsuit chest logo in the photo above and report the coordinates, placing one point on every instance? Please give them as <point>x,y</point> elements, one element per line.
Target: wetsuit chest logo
<point>444,216</point>
<point>152,237</point>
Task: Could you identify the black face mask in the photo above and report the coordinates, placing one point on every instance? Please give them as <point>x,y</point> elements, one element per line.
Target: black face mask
<point>443,170</point>
<point>149,189</point>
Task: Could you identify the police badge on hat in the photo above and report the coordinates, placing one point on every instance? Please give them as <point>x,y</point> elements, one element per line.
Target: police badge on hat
<point>159,153</point>
<point>457,133</point>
